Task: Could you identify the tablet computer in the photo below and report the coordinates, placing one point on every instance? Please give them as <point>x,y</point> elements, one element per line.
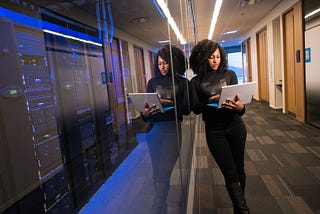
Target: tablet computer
<point>139,99</point>
<point>244,90</point>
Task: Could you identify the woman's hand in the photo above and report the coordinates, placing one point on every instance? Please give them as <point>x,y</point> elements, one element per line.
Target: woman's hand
<point>214,98</point>
<point>148,111</point>
<point>234,104</point>
<point>166,102</point>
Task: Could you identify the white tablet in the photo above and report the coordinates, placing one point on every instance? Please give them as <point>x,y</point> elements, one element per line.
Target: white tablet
<point>244,90</point>
<point>139,99</point>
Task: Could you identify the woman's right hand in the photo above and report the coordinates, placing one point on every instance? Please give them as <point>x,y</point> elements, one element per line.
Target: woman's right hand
<point>148,111</point>
<point>214,98</point>
<point>166,102</point>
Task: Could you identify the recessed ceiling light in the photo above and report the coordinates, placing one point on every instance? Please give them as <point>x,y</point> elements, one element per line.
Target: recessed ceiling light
<point>140,20</point>
<point>229,32</point>
<point>164,41</point>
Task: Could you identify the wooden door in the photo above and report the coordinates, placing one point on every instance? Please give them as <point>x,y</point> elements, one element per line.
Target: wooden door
<point>263,77</point>
<point>151,60</point>
<point>246,61</point>
<point>290,63</point>
<point>294,76</point>
<point>118,86</point>
<point>140,69</point>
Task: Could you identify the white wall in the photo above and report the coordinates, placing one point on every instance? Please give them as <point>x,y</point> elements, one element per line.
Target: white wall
<point>277,69</point>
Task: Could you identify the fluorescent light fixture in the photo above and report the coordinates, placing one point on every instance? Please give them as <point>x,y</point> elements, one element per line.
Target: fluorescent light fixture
<point>230,32</point>
<point>312,13</point>
<point>214,19</point>
<point>72,37</point>
<point>171,21</point>
<point>164,41</point>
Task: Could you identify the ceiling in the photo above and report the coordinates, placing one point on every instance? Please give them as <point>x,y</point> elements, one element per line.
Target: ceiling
<point>141,19</point>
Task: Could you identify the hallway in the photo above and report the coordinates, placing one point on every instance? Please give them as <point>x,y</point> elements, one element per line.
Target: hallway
<point>282,162</point>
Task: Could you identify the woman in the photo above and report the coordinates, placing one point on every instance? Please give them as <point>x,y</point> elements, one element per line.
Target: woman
<point>225,131</point>
<point>164,138</point>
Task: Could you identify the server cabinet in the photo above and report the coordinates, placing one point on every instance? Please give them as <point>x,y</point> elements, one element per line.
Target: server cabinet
<point>107,143</point>
<point>42,110</point>
<point>18,165</point>
<point>40,101</point>
<point>69,61</point>
<point>99,90</point>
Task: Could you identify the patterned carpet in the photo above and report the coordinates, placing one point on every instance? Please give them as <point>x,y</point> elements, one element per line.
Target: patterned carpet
<point>282,162</point>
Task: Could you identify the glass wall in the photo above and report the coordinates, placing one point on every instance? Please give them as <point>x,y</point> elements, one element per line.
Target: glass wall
<point>71,138</point>
<point>312,50</point>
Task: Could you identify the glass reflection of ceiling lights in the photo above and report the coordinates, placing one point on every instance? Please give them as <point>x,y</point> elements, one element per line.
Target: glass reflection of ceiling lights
<point>71,37</point>
<point>165,10</point>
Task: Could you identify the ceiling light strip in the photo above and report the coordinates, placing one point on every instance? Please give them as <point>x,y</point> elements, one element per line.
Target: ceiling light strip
<point>171,21</point>
<point>72,37</point>
<point>214,19</point>
<point>312,13</point>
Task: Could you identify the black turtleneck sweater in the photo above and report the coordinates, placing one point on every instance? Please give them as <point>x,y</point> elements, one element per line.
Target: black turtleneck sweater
<point>203,87</point>
<point>164,86</point>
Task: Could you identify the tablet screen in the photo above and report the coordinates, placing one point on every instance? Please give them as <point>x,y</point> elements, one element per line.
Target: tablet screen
<point>244,90</point>
<point>139,99</point>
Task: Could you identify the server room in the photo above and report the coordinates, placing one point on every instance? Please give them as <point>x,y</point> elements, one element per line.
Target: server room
<point>73,141</point>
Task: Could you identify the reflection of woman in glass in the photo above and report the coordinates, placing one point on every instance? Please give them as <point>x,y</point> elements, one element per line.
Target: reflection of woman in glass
<point>164,138</point>
<point>225,131</point>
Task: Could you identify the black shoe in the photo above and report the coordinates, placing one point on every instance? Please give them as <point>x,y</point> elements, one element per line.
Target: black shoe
<point>237,198</point>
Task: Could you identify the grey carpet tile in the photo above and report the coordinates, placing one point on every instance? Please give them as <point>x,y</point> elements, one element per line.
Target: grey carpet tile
<point>268,167</point>
<point>293,204</point>
<point>276,186</point>
<point>256,155</point>
<point>295,148</point>
<point>299,176</point>
<point>287,160</point>
<point>307,193</point>
<point>275,132</point>
<point>250,168</point>
<point>268,149</point>
<point>307,159</point>
<point>264,139</point>
<point>256,187</point>
<point>263,205</point>
<point>315,170</point>
<point>314,150</point>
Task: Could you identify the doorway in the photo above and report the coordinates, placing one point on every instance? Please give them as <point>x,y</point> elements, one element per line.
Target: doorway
<point>263,76</point>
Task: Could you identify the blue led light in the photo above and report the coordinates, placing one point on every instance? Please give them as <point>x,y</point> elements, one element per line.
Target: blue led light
<point>158,9</point>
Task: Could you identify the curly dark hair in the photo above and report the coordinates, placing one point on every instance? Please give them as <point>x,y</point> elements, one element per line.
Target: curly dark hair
<point>201,53</point>
<point>178,58</point>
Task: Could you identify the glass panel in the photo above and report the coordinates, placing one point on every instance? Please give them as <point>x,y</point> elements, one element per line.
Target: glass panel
<point>235,64</point>
<point>83,145</point>
<point>312,50</point>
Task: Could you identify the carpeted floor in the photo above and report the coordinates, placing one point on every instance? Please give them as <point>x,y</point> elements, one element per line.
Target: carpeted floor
<point>282,162</point>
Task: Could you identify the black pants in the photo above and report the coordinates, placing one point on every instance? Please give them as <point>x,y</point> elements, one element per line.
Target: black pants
<point>164,147</point>
<point>227,144</point>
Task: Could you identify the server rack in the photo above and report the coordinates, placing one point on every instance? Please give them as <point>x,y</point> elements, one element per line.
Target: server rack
<point>42,109</point>
<point>18,165</point>
<point>63,147</point>
<point>84,111</point>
